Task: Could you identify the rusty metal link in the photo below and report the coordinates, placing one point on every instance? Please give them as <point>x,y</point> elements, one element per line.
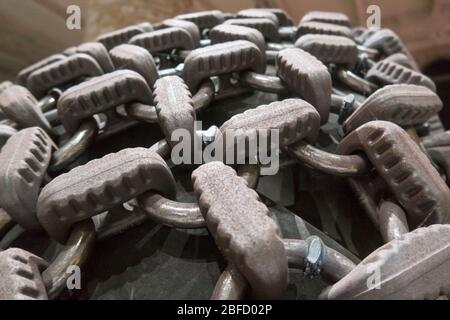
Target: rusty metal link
<point>179,214</point>
<point>403,104</point>
<point>337,18</point>
<point>100,94</point>
<point>294,120</point>
<point>329,163</point>
<point>203,19</point>
<point>19,105</point>
<point>121,36</point>
<point>438,148</point>
<point>389,72</point>
<point>164,39</point>
<point>222,58</point>
<point>408,173</point>
<point>200,100</point>
<point>386,41</point>
<point>413,266</point>
<point>135,58</point>
<point>306,76</point>
<point>242,230</point>
<point>23,164</point>
<point>75,252</point>
<point>20,277</point>
<point>316,27</point>
<point>97,186</point>
<point>75,146</point>
<point>61,72</point>
<point>232,285</point>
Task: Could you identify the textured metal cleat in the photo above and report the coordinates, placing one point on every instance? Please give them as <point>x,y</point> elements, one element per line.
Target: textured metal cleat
<point>173,103</point>
<point>403,104</point>
<point>164,39</point>
<point>402,59</point>
<point>19,105</point>
<point>283,17</point>
<point>267,27</point>
<point>64,71</point>
<point>322,28</point>
<point>222,58</point>
<point>99,185</point>
<point>100,94</point>
<point>203,19</point>
<point>294,120</point>
<point>244,233</point>
<point>306,76</point>
<point>23,164</point>
<point>259,14</point>
<point>22,77</point>
<point>385,72</point>
<point>121,36</point>
<point>228,32</point>
<point>20,276</point>
<point>189,26</point>
<point>414,266</point>
<point>128,56</point>
<point>327,17</point>
<point>97,51</point>
<point>407,171</point>
<point>330,49</point>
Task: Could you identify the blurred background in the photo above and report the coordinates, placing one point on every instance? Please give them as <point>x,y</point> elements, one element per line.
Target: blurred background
<point>33,29</point>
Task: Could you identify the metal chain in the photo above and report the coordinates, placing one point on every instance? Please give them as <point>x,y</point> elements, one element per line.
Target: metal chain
<point>169,73</point>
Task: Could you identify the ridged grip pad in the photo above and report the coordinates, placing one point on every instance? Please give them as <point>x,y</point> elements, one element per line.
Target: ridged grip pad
<point>61,72</point>
<point>295,120</point>
<point>164,39</point>
<point>327,17</point>
<point>189,26</point>
<point>101,93</point>
<point>97,51</point>
<point>128,56</point>
<point>23,164</point>
<point>389,43</point>
<point>228,32</point>
<point>330,49</point>
<point>322,28</point>
<point>221,58</point>
<point>19,105</point>
<point>306,76</point>
<point>173,103</point>
<point>415,266</point>
<point>258,14</point>
<point>403,104</point>
<point>386,72</point>
<point>23,75</point>
<point>99,185</point>
<point>118,37</point>
<point>20,276</point>
<point>407,171</point>
<point>203,19</point>
<point>267,27</point>
<point>241,228</point>
<point>283,18</point>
